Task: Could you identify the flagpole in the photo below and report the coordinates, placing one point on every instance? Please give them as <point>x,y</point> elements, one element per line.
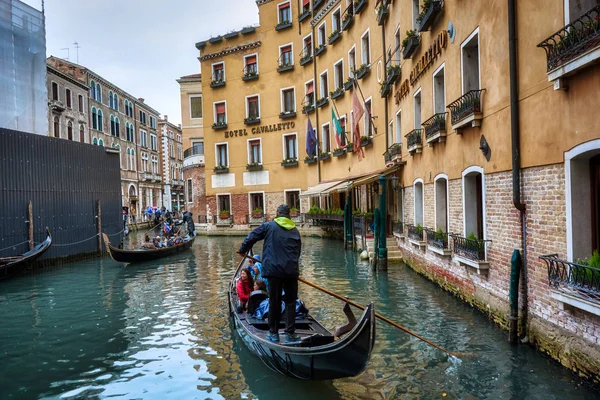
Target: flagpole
<point>356,85</point>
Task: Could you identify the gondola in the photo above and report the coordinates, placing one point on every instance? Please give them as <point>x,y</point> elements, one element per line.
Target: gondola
<point>28,257</point>
<point>320,355</point>
<point>143,255</point>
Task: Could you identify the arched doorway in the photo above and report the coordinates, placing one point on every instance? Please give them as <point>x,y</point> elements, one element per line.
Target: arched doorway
<point>133,201</point>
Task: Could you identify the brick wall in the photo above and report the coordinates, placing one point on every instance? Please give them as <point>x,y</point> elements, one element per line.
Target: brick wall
<point>197,175</point>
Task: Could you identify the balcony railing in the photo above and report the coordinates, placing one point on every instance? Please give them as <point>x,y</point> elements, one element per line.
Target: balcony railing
<point>220,219</point>
<point>414,141</point>
<point>398,228</point>
<point>256,218</point>
<point>250,73</point>
<point>471,249</point>
<point>438,240</point>
<point>435,128</point>
<point>574,279</point>
<point>415,232</point>
<point>395,151</point>
<point>306,55</point>
<point>466,109</point>
<point>573,40</point>
<point>217,80</point>
<point>285,62</point>
<point>195,150</point>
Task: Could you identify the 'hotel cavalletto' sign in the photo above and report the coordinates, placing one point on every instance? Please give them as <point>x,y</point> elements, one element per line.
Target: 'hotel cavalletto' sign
<point>260,129</point>
<point>440,42</point>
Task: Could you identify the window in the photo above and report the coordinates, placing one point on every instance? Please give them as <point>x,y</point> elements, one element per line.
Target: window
<point>99,96</point>
<point>116,102</point>
<point>305,6</point>
<point>152,122</point>
<point>111,102</point>
<point>398,128</point>
<point>418,212</point>
<point>576,9</point>
<point>100,121</point>
<point>195,107</point>
<point>93,90</point>
<point>473,202</point>
<point>292,199</point>
<point>343,126</point>
<point>368,117</point>
<point>153,143</point>
<point>290,146</point>
<point>218,72</point>
<point>222,156</point>
<point>439,91</point>
<point>68,98</point>
<point>129,132</point>
<point>287,98</point>
<point>113,128</point>
<point>310,93</point>
<point>190,191</point>
<point>145,162</point>
<point>254,152</point>
<point>95,141</point>
<point>81,134</point>
<point>286,58</point>
<point>325,139</point>
<point>307,51</point>
<point>336,20</point>
<point>56,127</point>
<point>441,203</point>
<point>252,107</point>
<point>390,131</point>
<point>285,13</point>
<point>80,102</point>
<point>128,108</point>
<point>366,50</point>
<point>351,62</point>
<point>54,91</point>
<point>155,165</point>
<point>251,64</point>
<point>143,117</point>
<point>256,201</point>
<point>220,113</point>
<point>417,105</point>
<point>415,14</point>
<point>398,48</point>
<point>224,202</point>
<point>338,74</point>
<point>324,87</point>
<point>322,38</point>
<point>470,62</point>
<point>94,118</point>
<point>143,138</point>
<point>100,142</point>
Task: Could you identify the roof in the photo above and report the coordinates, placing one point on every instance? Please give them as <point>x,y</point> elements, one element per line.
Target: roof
<point>193,76</point>
<point>321,188</point>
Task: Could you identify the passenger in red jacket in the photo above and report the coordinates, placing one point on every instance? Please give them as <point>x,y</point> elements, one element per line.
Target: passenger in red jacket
<point>245,286</point>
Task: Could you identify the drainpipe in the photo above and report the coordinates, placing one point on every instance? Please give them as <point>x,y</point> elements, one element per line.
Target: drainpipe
<point>516,180</point>
<point>317,128</point>
<point>385,100</point>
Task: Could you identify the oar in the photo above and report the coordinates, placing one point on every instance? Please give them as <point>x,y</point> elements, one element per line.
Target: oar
<point>381,317</point>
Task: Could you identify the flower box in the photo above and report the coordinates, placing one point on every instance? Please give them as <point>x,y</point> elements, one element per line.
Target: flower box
<point>254,167</point>
<point>320,49</point>
<point>349,84</point>
<point>322,101</point>
<point>287,114</point>
<point>337,93</point>
<point>283,25</point>
<point>310,160</point>
<point>304,15</point>
<point>339,152</point>
<point>359,5</point>
<point>216,84</point>
<point>221,170</point>
<point>429,14</point>
<point>334,37</point>
<point>215,39</point>
<point>347,21</point>
<point>383,11</point>
<point>411,44</point>
<point>306,59</point>
<point>224,215</point>
<point>325,156</point>
<point>366,141</point>
<point>252,121</point>
<point>219,125</point>
<point>294,213</point>
<point>247,30</point>
<point>285,67</point>
<point>350,147</point>
<point>363,71</point>
<point>292,162</point>
<point>257,214</point>
<point>393,73</point>
<point>250,76</point>
<point>231,35</point>
<point>308,109</point>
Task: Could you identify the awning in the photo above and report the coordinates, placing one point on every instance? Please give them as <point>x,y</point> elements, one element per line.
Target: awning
<point>365,180</point>
<point>320,188</point>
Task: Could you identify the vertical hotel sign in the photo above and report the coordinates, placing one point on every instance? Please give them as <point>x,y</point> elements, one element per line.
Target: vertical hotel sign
<point>428,57</point>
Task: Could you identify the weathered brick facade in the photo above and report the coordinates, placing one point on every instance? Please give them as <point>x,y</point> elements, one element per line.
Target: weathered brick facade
<point>197,203</point>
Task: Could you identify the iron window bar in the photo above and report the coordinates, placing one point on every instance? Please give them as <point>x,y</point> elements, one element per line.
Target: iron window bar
<point>472,249</point>
<point>285,61</point>
<point>415,232</point>
<point>306,54</point>
<point>439,240</point>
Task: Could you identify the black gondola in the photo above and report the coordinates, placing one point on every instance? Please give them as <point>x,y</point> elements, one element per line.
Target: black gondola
<point>143,255</point>
<point>31,255</point>
<point>319,355</point>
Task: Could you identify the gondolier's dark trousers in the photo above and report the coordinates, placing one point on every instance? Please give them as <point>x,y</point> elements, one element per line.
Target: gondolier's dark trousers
<point>290,285</point>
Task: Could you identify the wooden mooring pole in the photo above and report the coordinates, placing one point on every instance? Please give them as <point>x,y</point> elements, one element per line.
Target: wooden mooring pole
<point>99,223</point>
<point>30,233</point>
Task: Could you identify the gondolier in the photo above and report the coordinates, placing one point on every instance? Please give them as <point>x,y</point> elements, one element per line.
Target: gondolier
<point>281,253</point>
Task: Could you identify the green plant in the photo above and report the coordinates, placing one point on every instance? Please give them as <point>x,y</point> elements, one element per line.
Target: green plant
<point>289,160</point>
<point>393,68</point>
<point>224,214</point>
<point>254,164</point>
<point>362,68</point>
<point>333,34</point>
<point>439,234</point>
<point>419,229</point>
<point>315,210</point>
<point>472,236</point>
<point>220,167</point>
<point>293,209</point>
<point>409,34</point>
<point>257,210</point>
<point>356,212</point>
<point>424,8</point>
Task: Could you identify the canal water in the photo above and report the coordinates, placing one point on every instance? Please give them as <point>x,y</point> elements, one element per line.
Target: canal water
<point>97,329</point>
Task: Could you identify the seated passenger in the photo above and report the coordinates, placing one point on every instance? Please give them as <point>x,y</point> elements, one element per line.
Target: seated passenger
<point>244,286</point>
<point>157,242</point>
<point>147,243</point>
<point>177,239</point>
<point>259,284</point>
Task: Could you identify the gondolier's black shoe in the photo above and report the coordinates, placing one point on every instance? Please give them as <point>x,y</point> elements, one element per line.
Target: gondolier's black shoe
<point>293,338</point>
<point>273,337</point>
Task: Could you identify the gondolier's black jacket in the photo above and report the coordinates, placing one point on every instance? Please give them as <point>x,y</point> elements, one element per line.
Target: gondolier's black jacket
<point>281,247</point>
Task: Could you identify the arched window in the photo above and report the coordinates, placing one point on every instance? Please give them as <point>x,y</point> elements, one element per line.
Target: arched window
<point>95,141</point>
<point>132,159</point>
<point>94,118</point>
<point>56,127</point>
<point>117,127</point>
<point>112,124</point>
<point>81,134</point>
<point>98,93</point>
<point>93,90</point>
<point>128,160</point>
<point>69,130</point>
<point>110,100</point>
<point>101,142</point>
<point>116,101</point>
<point>100,121</point>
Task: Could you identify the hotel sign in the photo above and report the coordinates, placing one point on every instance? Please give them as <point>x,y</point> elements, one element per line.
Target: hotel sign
<point>282,126</point>
<point>428,57</point>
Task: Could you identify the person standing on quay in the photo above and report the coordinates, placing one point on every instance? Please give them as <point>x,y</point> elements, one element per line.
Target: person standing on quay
<point>281,254</point>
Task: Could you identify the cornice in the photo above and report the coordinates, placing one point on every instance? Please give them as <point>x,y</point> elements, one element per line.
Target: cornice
<point>66,77</point>
<point>330,4</point>
<point>261,2</point>
<point>231,50</point>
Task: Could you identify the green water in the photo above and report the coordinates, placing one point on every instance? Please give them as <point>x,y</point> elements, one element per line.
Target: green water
<point>97,329</point>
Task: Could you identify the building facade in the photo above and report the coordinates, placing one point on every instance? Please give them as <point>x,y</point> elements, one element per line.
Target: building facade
<point>190,87</point>
<point>67,106</point>
<point>172,164</point>
<point>486,141</point>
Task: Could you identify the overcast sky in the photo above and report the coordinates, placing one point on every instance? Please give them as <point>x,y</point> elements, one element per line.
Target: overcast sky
<point>142,46</point>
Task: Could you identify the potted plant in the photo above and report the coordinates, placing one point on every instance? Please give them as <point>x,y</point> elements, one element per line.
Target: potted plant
<point>320,49</point>
<point>294,212</point>
<point>340,151</point>
<point>220,169</point>
<point>362,71</point>
<point>335,35</point>
<point>365,141</point>
<point>257,212</point>
<point>224,214</point>
<point>410,43</point>
<point>419,230</point>
<point>349,84</point>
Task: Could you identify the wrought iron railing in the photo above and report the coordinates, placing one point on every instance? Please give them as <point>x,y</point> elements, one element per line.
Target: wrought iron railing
<point>395,149</point>
<point>435,125</point>
<point>217,79</point>
<point>250,72</point>
<point>398,227</point>
<point>195,150</point>
<point>202,219</point>
<point>571,278</point>
<point>255,218</point>
<point>414,138</point>
<point>285,61</point>
<point>306,54</point>
<point>472,249</point>
<point>219,220</point>
<point>465,106</point>
<point>415,232</point>
<point>437,239</point>
<point>573,40</point>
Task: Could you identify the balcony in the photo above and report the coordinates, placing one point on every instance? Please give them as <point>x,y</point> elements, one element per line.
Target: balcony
<point>573,47</point>
<point>435,128</point>
<point>254,167</point>
<point>304,16</point>
<point>575,284</point>
<point>410,44</point>
<point>359,5</point>
<point>395,151</point>
<point>252,120</point>
<point>283,25</point>
<point>334,37</point>
<point>177,182</point>
<point>427,17</point>
<point>56,106</point>
<point>471,252</point>
<point>383,12</point>
<point>415,235</point>
<point>388,159</point>
<point>398,228</point>
<point>437,242</point>
<point>221,169</point>
<point>147,177</point>
<point>414,141</point>
<point>348,18</point>
<point>466,110</point>
<point>193,156</point>
<point>320,49</point>
<point>217,126</point>
<point>362,71</point>
<point>290,162</point>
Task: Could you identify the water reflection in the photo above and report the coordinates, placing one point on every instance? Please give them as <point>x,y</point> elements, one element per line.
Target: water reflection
<point>97,328</point>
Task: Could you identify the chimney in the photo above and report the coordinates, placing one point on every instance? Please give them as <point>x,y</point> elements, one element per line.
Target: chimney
<point>141,99</point>
<point>166,118</point>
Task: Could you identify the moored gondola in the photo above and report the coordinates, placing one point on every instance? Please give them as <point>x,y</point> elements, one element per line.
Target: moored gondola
<point>143,255</point>
<point>28,257</point>
<point>319,355</point>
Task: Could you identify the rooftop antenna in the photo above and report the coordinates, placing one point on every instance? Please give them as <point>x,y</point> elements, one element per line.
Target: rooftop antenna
<point>68,52</point>
<point>77,46</point>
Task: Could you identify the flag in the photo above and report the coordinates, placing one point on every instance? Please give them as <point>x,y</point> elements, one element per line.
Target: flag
<point>311,140</point>
<point>358,111</point>
<point>337,127</point>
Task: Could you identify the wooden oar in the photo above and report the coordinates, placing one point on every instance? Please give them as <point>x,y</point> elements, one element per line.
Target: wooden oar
<point>381,317</point>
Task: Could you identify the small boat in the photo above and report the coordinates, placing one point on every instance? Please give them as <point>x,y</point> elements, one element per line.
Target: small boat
<point>143,255</point>
<point>31,255</point>
<point>320,354</point>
